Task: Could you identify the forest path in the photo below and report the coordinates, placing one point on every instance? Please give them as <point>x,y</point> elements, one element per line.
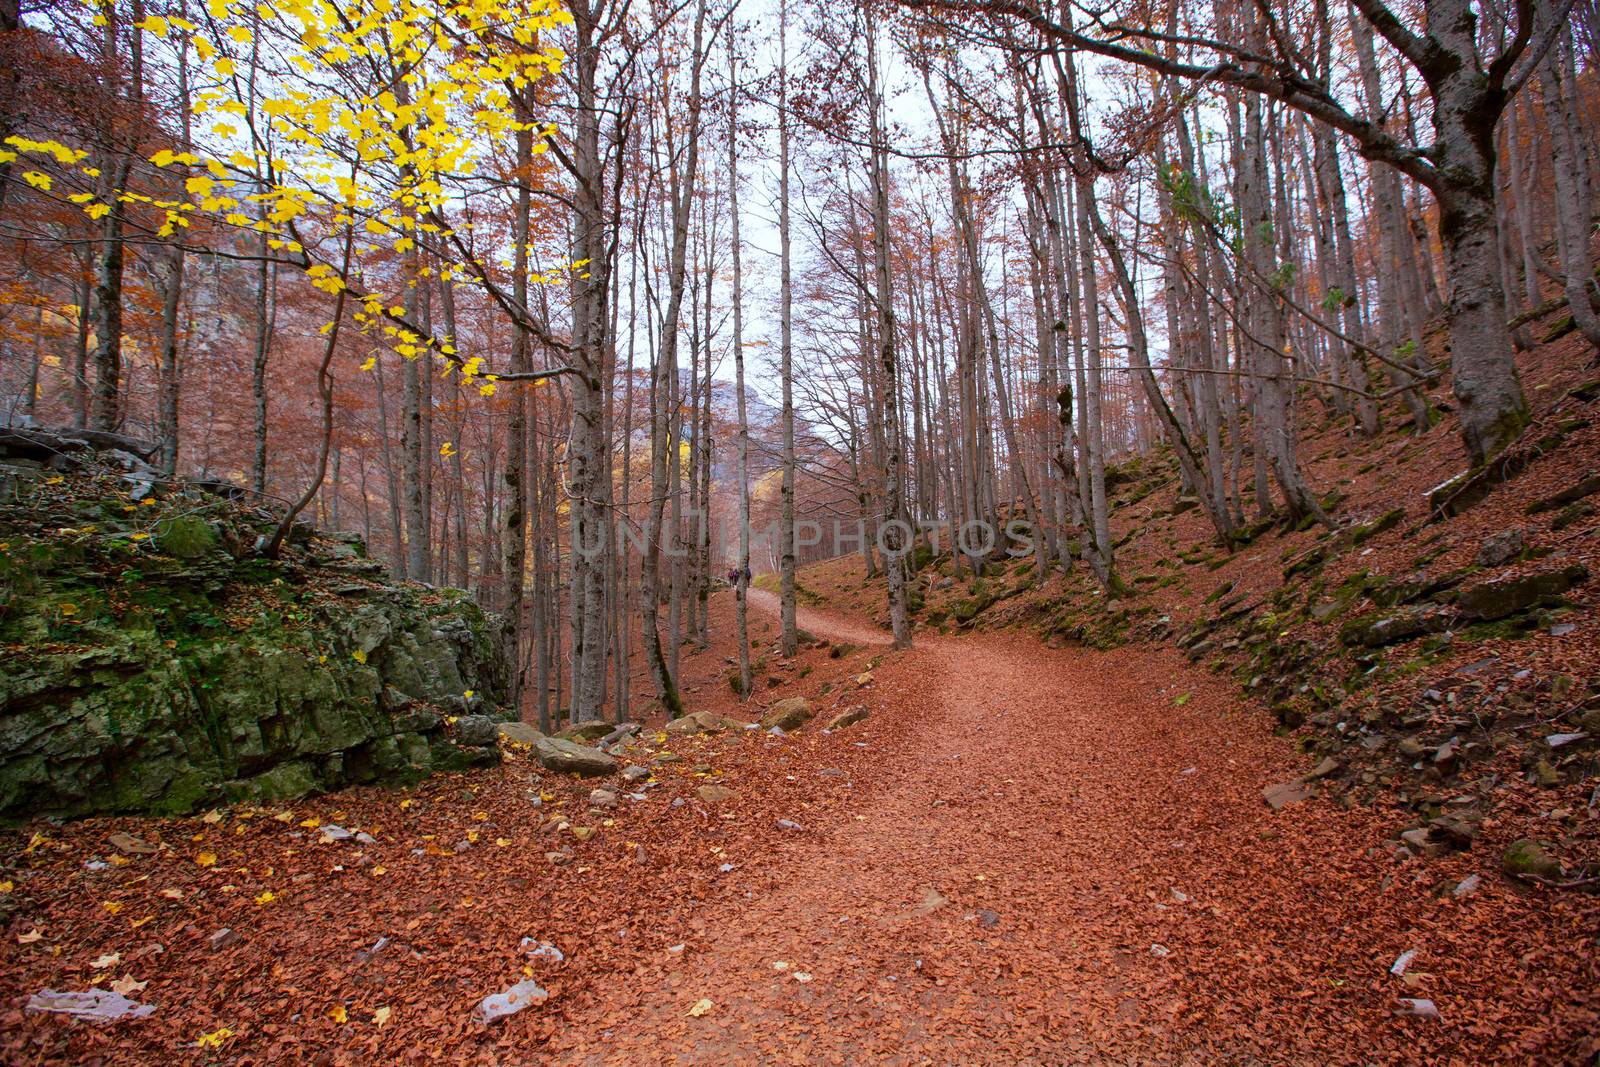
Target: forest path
<point>819,623</point>
<point>1061,856</point>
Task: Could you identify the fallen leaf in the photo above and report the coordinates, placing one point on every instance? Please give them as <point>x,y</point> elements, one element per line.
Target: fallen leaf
<point>206,859</point>
<point>110,959</point>
<point>700,1007</point>
<point>129,843</point>
<point>266,898</point>
<point>381,1016</point>
<point>30,937</point>
<point>215,1038</point>
<point>127,984</point>
<point>338,1014</point>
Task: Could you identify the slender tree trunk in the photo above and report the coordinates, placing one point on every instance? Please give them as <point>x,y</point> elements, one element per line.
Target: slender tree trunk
<point>790,640</point>
<point>662,443</point>
<point>265,313</point>
<point>514,522</point>
<point>893,509</point>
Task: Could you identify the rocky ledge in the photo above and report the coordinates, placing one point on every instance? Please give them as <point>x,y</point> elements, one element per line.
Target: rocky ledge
<point>152,662</point>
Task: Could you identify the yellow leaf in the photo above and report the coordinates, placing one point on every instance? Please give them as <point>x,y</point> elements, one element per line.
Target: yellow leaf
<point>206,859</point>
<point>68,609</point>
<point>338,1014</point>
<point>113,906</point>
<point>7,886</point>
<point>215,1038</point>
<point>37,180</point>
<point>311,823</point>
<point>266,898</point>
<point>700,1007</point>
<point>359,656</point>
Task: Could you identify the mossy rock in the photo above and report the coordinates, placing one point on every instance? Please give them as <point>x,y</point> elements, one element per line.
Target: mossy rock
<point>1530,857</point>
<point>185,536</point>
<point>160,706</point>
<point>1357,535</point>
<point>1496,598</point>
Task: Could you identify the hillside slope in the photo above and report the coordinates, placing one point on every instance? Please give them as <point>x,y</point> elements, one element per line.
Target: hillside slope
<point>1441,651</point>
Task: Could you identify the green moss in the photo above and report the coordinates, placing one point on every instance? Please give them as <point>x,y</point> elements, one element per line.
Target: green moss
<point>185,536</point>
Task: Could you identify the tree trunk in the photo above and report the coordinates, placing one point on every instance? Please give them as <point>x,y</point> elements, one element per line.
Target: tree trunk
<point>514,521</point>
<point>893,511</point>
<point>789,640</point>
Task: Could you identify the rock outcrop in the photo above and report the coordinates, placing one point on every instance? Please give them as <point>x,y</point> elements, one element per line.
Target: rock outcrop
<point>154,663</point>
<point>788,714</point>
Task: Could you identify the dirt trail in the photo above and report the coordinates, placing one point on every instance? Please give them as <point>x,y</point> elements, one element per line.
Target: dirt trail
<point>1063,857</point>
<point>819,623</point>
